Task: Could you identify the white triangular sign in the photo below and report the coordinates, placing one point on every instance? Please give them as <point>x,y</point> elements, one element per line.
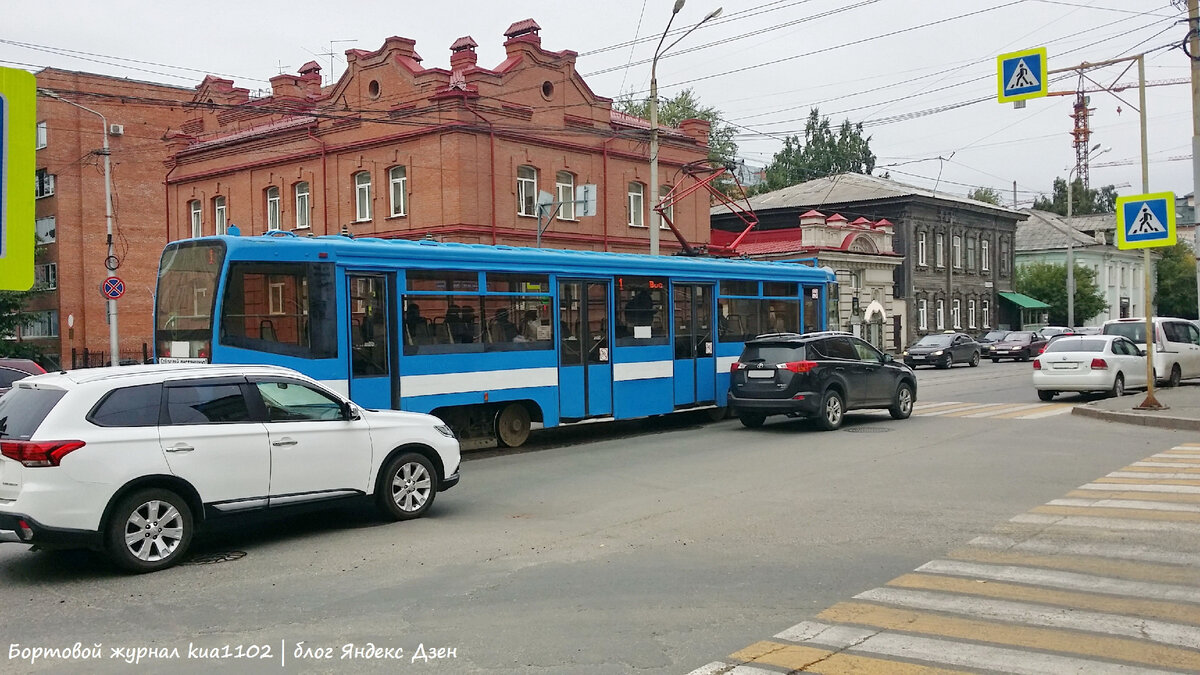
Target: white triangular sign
<point>1146,222</point>
<point>1022,78</point>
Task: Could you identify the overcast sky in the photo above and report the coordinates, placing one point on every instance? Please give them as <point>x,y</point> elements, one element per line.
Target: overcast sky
<point>908,69</point>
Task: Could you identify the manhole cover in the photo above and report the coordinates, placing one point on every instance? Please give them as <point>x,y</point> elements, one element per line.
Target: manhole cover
<point>868,430</point>
<point>215,557</point>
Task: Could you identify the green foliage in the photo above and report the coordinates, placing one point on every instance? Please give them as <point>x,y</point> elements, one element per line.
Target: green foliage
<point>1085,201</point>
<point>12,317</point>
<point>1176,294</point>
<point>985,194</point>
<point>1048,282</point>
<point>823,152</point>
<point>722,150</point>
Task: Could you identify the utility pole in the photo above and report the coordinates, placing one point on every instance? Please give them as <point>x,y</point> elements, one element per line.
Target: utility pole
<point>1193,52</point>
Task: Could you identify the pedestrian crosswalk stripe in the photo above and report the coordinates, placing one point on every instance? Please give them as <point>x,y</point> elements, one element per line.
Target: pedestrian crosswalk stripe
<point>1132,514</point>
<point>1190,467</point>
<point>1118,492</point>
<point>1148,474</point>
<point>1071,581</point>
<point>1039,544</point>
<point>1062,562</point>
<point>1161,482</point>
<point>990,410</point>
<point>1130,486</point>
<point>978,411</point>
<point>1109,523</point>
<point>796,657</point>
<point>1126,504</point>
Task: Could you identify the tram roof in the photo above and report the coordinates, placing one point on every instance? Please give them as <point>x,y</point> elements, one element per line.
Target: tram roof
<point>436,254</point>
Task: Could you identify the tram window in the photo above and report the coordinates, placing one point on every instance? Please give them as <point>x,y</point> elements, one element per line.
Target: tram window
<point>779,288</point>
<point>739,288</point>
<point>281,308</point>
<point>518,322</point>
<point>441,324</point>
<point>642,317</point>
<point>498,282</point>
<point>446,281</point>
<point>740,318</point>
<point>783,316</point>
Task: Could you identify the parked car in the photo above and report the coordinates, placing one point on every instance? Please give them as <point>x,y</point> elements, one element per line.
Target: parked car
<point>1105,363</point>
<point>131,460</point>
<point>817,375</point>
<point>1050,331</point>
<point>12,370</point>
<point>943,350</point>
<point>1020,345</point>
<point>1176,345</point>
<point>992,336</point>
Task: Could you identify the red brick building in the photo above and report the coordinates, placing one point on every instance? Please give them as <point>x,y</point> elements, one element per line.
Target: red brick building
<point>395,149</point>
<point>70,315</point>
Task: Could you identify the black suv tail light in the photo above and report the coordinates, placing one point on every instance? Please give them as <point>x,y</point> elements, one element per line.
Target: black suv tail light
<point>799,366</point>
<point>38,453</point>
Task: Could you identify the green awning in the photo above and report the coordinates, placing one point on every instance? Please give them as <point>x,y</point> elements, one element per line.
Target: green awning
<point>1023,301</point>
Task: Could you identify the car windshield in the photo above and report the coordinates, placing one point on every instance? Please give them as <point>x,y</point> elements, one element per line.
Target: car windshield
<point>23,409</point>
<point>1072,344</point>
<point>1134,330</point>
<point>1048,331</point>
<point>995,335</point>
<point>934,341</point>
<point>1019,337</point>
<point>772,353</point>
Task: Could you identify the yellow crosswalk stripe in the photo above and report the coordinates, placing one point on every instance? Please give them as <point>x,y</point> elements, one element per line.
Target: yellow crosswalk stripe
<point>1146,481</point>
<point>1160,469</point>
<point>1053,639</point>
<point>795,657</point>
<point>1116,493</point>
<point>1123,569</point>
<point>1022,413</point>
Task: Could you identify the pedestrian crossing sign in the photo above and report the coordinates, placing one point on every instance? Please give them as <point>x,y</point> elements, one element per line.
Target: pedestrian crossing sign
<point>1021,75</point>
<point>1145,221</point>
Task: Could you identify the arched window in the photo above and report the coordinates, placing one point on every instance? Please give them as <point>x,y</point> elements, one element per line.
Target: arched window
<point>197,218</point>
<point>564,190</point>
<point>273,214</point>
<point>526,191</point>
<point>398,189</point>
<point>637,205</point>
<point>362,196</point>
<point>301,191</point>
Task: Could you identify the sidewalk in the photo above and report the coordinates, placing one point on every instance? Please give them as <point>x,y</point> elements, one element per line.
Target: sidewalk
<point>1182,412</point>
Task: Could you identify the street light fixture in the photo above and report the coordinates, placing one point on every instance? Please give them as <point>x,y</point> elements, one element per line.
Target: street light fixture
<point>1071,238</point>
<point>659,51</point>
<point>113,341</point>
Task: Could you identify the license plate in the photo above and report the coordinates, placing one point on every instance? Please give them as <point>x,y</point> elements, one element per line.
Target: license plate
<point>760,374</point>
<point>918,358</point>
<point>1063,366</point>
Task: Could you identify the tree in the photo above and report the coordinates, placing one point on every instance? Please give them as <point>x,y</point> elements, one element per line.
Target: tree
<point>1086,200</point>
<point>1176,294</point>
<point>985,194</point>
<point>12,317</point>
<point>822,153</point>
<point>722,150</point>
<point>1048,282</point>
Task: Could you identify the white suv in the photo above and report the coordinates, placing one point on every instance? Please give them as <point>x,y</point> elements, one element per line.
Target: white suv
<point>130,460</point>
<point>1176,345</point>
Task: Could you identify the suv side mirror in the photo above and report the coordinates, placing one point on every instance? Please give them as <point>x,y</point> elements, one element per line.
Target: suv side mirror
<point>888,358</point>
<point>349,412</point>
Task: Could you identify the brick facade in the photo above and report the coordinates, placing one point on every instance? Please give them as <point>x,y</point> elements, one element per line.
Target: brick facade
<point>463,140</point>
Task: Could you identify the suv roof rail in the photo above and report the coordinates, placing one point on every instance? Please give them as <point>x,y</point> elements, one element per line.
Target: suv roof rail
<point>828,332</point>
<point>768,336</point>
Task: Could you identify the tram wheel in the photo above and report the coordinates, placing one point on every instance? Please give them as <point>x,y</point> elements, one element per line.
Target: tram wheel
<point>512,425</point>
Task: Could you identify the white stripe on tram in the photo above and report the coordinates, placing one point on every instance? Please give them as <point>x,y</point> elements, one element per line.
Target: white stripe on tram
<point>481,380</point>
<point>961,654</point>
<point>1113,551</point>
<point>724,363</point>
<point>1161,632</point>
<point>340,386</point>
<point>643,370</point>
<point>1073,581</point>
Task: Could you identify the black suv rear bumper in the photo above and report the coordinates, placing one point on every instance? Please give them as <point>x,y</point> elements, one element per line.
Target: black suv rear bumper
<point>808,405</point>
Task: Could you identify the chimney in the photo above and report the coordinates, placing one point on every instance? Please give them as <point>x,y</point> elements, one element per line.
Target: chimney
<point>462,53</point>
<point>310,78</point>
<point>697,130</point>
<point>522,32</point>
<point>812,218</point>
<point>286,86</point>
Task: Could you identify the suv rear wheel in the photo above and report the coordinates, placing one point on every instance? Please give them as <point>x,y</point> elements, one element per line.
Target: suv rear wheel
<point>903,406</point>
<point>752,420</point>
<point>833,409</point>
<point>149,530</point>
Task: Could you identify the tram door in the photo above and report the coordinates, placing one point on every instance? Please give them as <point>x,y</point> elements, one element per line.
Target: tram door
<point>585,378</point>
<point>371,330</point>
<point>695,361</point>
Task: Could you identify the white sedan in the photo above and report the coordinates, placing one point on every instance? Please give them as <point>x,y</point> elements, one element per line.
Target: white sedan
<point>1104,363</point>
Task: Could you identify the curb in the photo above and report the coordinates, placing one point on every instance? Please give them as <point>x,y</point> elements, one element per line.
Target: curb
<point>1141,419</point>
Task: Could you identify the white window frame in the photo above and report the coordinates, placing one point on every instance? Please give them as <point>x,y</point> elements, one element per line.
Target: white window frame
<point>940,315</point>
<point>636,203</point>
<point>362,196</point>
<point>274,208</point>
<point>956,313</point>
<point>46,229</point>
<point>302,191</point>
<point>398,190</point>
<point>923,314</point>
<point>275,297</point>
<point>985,261</point>
<point>985,313</point>
<point>939,250</point>
<point>196,210</point>
<point>669,212</point>
<point>921,258</point>
<point>220,214</point>
<point>970,245</point>
<point>956,250</point>
<point>564,191</point>
<point>43,184</point>
<point>42,137</point>
<point>200,303</point>
<point>45,276</point>
<point>971,313</point>
<point>41,325</point>
<point>527,182</point>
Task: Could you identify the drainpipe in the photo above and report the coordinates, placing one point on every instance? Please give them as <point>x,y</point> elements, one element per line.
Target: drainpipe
<point>324,183</point>
<point>604,191</point>
<point>492,152</point>
<point>167,199</point>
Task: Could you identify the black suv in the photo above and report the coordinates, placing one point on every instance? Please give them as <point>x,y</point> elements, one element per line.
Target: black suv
<point>817,375</point>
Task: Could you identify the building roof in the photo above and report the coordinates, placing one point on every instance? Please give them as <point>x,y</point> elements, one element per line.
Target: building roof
<point>847,188</point>
<point>1022,301</point>
<point>1045,230</point>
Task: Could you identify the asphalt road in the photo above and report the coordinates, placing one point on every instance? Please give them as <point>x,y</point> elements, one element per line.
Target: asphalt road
<point>653,546</point>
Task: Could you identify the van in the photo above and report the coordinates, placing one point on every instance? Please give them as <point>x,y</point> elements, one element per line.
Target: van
<point>1176,345</point>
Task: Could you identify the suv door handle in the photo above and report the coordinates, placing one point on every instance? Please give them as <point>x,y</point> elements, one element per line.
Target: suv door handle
<point>179,447</point>
<point>283,442</point>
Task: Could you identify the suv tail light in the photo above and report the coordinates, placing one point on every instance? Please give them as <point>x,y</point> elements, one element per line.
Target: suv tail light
<point>38,453</point>
<point>1099,364</point>
<point>1037,364</point>
<point>799,366</point>
<point>734,367</point>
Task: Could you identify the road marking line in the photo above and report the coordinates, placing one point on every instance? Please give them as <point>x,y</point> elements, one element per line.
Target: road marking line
<point>1174,497</point>
<point>1105,523</point>
<point>936,404</point>
<point>1129,486</point>
<point>1143,481</point>
<point>1106,512</point>
<point>1193,448</point>
<point>1099,550</point>
<point>1074,581</point>
<point>1126,504</point>
<point>1051,630</point>
<point>1058,409</point>
<point>1182,613</point>
<point>796,657</point>
<point>1009,408</point>
<point>967,655</point>
<point>958,408</point>
<point>1182,475</point>
<point>1176,456</point>
<point>719,668</point>
<point>986,409</point>
<point>1137,466</point>
<point>1122,569</point>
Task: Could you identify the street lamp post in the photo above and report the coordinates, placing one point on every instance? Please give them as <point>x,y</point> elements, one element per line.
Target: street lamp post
<point>114,345</point>
<point>1071,240</point>
<point>659,51</point>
